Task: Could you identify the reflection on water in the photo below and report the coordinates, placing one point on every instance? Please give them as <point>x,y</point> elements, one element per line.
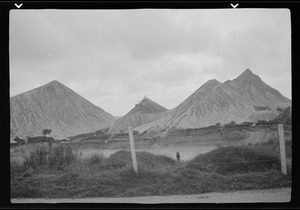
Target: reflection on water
<point>186,153</point>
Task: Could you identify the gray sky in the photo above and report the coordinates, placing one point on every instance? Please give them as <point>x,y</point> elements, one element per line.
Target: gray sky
<point>115,57</point>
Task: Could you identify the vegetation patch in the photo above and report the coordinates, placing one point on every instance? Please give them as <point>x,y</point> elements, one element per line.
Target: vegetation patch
<point>44,159</point>
<point>114,176</point>
<point>232,160</point>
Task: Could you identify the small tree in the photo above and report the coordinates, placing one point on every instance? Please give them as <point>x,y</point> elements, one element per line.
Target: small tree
<point>47,131</point>
<point>232,123</point>
<point>48,140</point>
<point>19,140</point>
<point>218,124</point>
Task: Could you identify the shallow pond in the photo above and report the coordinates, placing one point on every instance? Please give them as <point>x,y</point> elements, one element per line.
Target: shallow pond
<point>186,152</point>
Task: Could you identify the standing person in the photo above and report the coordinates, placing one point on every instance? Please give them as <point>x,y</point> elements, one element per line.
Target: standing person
<point>178,156</point>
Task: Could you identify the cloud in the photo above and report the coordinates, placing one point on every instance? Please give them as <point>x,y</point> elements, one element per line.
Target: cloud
<point>34,38</point>
<point>113,57</point>
<point>151,34</point>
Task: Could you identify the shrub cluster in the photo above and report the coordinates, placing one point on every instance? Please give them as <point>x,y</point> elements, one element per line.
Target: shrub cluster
<point>232,160</point>
<point>43,158</point>
<point>123,159</point>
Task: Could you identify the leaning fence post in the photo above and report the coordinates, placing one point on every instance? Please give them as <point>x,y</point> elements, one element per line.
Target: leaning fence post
<point>50,145</point>
<point>282,149</point>
<point>132,149</point>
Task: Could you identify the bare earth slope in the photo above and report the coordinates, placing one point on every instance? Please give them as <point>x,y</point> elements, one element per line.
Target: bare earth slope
<point>216,102</point>
<point>55,106</point>
<point>144,112</point>
<point>260,91</point>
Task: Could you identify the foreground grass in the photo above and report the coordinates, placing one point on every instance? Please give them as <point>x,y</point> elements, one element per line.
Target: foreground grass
<point>158,175</point>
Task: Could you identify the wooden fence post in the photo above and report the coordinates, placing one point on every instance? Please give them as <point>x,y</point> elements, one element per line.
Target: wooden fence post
<point>50,146</point>
<point>282,149</point>
<point>132,149</point>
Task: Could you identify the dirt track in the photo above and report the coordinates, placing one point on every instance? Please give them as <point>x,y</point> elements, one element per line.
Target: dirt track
<point>252,196</point>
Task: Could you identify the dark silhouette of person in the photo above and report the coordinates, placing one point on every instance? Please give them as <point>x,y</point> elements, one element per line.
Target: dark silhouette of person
<point>178,156</point>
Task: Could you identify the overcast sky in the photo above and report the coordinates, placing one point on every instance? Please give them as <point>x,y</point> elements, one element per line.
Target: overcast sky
<point>115,57</point>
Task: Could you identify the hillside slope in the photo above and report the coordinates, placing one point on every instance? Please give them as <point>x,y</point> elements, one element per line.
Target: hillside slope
<point>144,112</point>
<point>55,106</point>
<point>234,100</point>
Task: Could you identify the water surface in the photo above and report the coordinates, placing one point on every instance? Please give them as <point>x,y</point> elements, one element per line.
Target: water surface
<point>186,152</point>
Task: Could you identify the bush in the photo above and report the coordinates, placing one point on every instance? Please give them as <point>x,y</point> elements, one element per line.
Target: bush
<point>19,140</point>
<point>272,148</point>
<point>117,160</point>
<point>232,160</point>
<point>41,158</point>
<point>148,160</point>
<point>61,157</point>
<point>152,161</point>
<point>16,168</point>
<point>95,159</point>
<point>37,158</point>
<point>39,139</point>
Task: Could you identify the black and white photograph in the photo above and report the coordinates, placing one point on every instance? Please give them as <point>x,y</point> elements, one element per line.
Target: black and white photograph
<point>150,106</point>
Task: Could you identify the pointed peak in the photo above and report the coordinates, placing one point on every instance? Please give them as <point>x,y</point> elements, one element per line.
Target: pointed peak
<point>148,106</point>
<point>54,82</point>
<point>210,83</point>
<point>247,71</point>
<point>145,100</point>
<point>205,89</point>
<point>246,74</point>
<point>213,81</point>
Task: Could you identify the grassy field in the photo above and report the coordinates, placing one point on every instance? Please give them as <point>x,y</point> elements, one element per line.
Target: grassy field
<point>61,174</point>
